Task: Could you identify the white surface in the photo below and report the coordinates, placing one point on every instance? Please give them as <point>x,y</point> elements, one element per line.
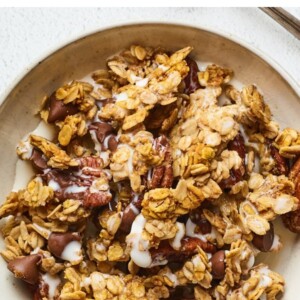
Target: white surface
<point>29,34</point>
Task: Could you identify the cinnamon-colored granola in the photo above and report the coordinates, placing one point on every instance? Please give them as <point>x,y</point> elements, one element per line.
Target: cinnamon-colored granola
<point>153,188</point>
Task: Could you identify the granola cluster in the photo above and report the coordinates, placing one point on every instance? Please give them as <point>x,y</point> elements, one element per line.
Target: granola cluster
<point>162,182</point>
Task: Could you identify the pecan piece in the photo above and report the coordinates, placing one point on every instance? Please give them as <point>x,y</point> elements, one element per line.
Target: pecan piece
<point>281,163</point>
<point>91,165</point>
<point>97,199</point>
<point>295,177</point>
<point>168,177</point>
<point>292,219</point>
<point>188,248</point>
<point>238,145</point>
<point>78,183</point>
<point>156,177</point>
<point>162,176</point>
<point>191,80</point>
<point>162,146</point>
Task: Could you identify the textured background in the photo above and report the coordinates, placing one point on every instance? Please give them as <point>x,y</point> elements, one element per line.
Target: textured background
<point>29,34</point>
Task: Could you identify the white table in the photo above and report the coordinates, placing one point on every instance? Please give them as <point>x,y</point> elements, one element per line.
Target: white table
<point>28,35</point>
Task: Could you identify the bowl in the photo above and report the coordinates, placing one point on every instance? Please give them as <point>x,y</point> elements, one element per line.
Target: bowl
<point>87,54</point>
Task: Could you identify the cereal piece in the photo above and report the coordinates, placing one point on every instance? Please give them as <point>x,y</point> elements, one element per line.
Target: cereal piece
<point>72,126</point>
<point>159,203</point>
<point>215,76</point>
<point>272,194</point>
<point>58,158</point>
<point>69,211</point>
<point>160,229</point>
<point>11,205</point>
<point>13,249</point>
<point>139,52</point>
<point>261,281</point>
<point>288,143</point>
<point>134,119</point>
<point>50,265</point>
<point>36,194</point>
<point>221,169</point>
<point>197,270</point>
<point>239,260</point>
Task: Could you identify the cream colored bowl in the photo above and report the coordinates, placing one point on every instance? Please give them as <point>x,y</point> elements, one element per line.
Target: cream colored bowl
<point>87,54</point>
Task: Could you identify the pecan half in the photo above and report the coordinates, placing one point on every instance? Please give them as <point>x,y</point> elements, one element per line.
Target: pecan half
<point>97,199</point>
<point>238,145</point>
<point>162,176</point>
<point>162,146</point>
<point>91,165</point>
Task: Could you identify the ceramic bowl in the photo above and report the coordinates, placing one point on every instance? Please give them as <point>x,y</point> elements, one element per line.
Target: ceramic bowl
<point>87,54</point>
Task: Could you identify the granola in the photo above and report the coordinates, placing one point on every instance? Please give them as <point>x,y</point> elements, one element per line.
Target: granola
<point>152,188</point>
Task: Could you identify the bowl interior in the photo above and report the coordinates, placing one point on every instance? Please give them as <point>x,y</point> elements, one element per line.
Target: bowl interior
<point>83,56</point>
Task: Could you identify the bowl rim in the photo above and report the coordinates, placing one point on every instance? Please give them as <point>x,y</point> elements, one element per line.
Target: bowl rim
<point>222,33</point>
